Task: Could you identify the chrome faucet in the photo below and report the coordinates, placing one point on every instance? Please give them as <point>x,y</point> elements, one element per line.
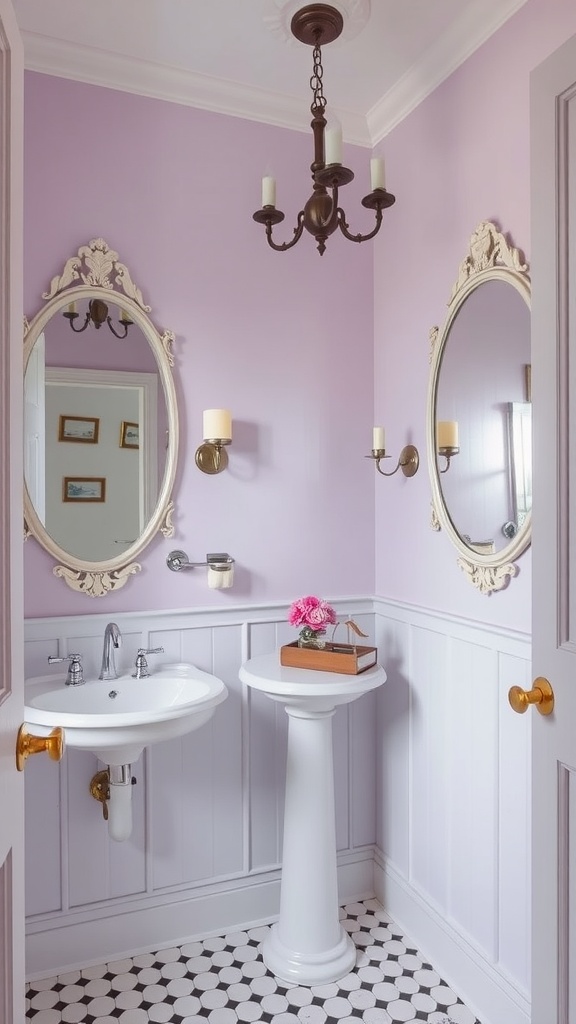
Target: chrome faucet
<point>75,675</point>
<point>141,670</point>
<point>112,641</point>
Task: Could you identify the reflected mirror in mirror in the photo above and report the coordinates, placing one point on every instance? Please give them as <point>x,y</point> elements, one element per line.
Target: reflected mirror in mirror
<point>483,387</point>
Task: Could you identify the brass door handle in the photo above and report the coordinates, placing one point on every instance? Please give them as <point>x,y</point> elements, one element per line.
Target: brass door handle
<point>27,744</point>
<point>541,695</point>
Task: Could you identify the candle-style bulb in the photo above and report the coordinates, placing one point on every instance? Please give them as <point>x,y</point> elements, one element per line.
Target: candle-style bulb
<point>378,439</point>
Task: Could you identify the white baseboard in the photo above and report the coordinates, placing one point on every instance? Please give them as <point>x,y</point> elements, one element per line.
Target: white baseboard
<point>480,984</point>
<point>72,941</point>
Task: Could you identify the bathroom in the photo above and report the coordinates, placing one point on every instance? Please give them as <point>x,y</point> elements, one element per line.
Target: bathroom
<point>307,352</point>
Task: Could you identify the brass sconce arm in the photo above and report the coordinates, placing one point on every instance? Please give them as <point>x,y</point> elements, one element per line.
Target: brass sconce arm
<point>408,461</point>
<point>447,453</point>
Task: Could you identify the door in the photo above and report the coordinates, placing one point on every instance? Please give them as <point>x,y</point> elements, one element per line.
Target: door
<point>35,428</point>
<point>553,266</point>
<point>11,610</point>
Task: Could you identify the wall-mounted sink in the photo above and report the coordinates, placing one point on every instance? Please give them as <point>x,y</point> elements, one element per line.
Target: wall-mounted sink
<point>116,719</point>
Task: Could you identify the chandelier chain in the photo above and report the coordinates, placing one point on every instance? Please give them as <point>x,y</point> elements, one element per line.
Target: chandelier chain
<point>319,101</point>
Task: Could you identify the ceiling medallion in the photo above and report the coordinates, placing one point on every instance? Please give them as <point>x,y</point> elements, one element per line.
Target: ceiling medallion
<point>355,15</point>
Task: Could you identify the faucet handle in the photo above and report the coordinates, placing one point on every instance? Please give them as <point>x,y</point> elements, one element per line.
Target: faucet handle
<point>75,676</point>
<point>141,669</point>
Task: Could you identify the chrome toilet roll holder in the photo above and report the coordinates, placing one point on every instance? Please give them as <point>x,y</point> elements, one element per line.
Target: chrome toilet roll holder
<point>219,561</point>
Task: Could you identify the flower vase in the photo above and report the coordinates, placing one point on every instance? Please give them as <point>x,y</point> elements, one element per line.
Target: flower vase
<point>312,638</point>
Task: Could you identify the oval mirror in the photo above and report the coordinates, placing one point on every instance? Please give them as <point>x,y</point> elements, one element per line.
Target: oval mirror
<point>100,423</point>
<point>479,423</point>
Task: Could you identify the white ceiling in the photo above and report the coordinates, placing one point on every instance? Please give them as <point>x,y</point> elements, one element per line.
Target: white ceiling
<point>238,57</point>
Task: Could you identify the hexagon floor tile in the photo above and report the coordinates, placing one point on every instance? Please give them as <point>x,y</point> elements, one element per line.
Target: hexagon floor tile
<point>223,980</point>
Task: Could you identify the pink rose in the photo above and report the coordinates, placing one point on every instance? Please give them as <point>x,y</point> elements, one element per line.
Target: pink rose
<point>312,612</point>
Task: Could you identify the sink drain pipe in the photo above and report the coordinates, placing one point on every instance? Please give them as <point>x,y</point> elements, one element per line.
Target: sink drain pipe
<point>120,802</point>
<point>113,788</point>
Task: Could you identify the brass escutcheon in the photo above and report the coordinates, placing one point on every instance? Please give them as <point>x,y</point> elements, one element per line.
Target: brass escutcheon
<point>100,789</point>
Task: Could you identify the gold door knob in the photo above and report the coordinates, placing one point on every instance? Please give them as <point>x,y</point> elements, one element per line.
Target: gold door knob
<point>541,695</point>
<point>27,744</point>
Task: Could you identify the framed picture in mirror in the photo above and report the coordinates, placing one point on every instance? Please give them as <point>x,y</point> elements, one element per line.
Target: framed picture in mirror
<point>85,488</point>
<point>79,429</point>
<point>129,435</point>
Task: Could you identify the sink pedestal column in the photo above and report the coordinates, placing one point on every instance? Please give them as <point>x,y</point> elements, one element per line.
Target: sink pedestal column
<point>308,945</point>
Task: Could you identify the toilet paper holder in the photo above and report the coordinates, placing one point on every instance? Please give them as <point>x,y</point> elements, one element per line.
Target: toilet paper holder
<point>219,561</point>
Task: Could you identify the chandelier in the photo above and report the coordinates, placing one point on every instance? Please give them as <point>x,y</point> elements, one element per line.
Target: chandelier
<point>97,314</point>
<point>316,24</point>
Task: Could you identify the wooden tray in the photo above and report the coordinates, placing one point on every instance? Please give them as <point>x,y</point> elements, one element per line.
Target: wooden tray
<point>350,659</point>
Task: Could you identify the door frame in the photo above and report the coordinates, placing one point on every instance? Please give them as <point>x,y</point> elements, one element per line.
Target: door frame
<point>12,970</point>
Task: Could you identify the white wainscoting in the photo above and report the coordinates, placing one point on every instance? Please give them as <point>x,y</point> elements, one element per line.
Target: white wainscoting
<point>453,821</point>
<point>432,784</point>
<point>205,851</point>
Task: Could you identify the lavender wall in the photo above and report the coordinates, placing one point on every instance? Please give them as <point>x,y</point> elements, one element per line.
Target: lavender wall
<point>284,340</point>
<point>461,157</point>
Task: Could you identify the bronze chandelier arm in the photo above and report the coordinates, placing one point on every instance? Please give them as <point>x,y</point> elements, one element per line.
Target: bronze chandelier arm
<point>343,225</point>
<point>286,245</point>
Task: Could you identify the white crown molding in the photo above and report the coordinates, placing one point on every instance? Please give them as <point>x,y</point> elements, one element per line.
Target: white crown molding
<point>177,85</point>
<point>463,37</point>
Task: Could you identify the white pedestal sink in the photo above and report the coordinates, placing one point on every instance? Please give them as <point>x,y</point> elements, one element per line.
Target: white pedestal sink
<point>116,718</point>
<point>308,945</point>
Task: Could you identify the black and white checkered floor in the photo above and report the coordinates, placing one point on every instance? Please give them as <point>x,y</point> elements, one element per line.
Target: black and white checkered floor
<point>223,980</point>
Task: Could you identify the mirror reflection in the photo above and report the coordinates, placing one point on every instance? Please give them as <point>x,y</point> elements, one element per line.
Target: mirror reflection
<point>101,423</point>
<point>482,394</point>
<point>479,416</point>
<point>94,412</point>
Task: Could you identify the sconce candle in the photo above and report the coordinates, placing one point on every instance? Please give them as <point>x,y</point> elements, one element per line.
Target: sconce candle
<point>378,439</point>
<point>217,425</point>
<point>446,434</point>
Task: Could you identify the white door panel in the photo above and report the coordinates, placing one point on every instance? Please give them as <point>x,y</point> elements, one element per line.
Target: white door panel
<point>553,263</point>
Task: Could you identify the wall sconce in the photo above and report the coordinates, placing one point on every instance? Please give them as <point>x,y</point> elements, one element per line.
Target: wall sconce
<point>408,461</point>
<point>447,441</point>
<point>97,314</point>
<point>211,456</point>
<point>220,567</point>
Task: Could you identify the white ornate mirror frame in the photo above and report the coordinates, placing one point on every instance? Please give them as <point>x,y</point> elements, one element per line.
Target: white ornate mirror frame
<point>95,272</point>
<point>490,258</point>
